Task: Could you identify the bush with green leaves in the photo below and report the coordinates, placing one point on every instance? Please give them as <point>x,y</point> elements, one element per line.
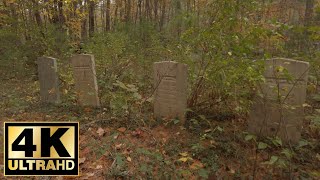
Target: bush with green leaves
<point>222,58</point>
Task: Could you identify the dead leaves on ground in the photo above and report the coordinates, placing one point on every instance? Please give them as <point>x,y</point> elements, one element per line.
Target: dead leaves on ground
<point>100,131</point>
<point>124,142</point>
<point>122,129</point>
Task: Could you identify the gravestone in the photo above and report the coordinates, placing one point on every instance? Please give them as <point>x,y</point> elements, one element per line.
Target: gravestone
<point>48,78</point>
<point>170,82</point>
<point>85,80</point>
<point>278,108</point>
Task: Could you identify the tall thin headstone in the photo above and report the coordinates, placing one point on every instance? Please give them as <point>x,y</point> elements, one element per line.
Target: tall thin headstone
<point>85,80</point>
<point>49,81</point>
<point>170,82</point>
<point>278,109</point>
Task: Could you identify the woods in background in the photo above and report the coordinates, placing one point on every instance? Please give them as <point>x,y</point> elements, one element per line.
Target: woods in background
<point>225,45</point>
<point>218,39</point>
<point>83,18</point>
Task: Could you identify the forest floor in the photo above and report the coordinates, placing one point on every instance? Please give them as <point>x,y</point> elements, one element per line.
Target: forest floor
<point>113,150</point>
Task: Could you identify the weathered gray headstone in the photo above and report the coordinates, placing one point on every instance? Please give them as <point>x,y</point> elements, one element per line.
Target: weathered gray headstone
<point>278,108</point>
<point>170,82</point>
<point>85,79</point>
<point>49,81</point>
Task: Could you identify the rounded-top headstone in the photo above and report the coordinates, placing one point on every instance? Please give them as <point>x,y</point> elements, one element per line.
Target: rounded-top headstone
<point>49,81</point>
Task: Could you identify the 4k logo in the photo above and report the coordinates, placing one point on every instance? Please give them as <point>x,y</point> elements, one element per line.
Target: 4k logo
<point>41,149</point>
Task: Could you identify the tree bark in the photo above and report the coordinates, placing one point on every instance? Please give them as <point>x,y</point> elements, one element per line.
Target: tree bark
<point>61,15</point>
<point>140,10</point>
<point>37,13</point>
<point>177,14</point>
<point>128,8</point>
<point>84,32</point>
<point>115,14</point>
<point>309,12</point>
<point>147,10</point>
<point>108,22</point>
<point>91,18</point>
<point>155,12</point>
<point>163,14</point>
<point>55,18</point>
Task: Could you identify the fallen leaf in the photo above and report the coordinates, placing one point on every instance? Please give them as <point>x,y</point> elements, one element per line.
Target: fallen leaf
<point>184,159</point>
<point>87,109</point>
<point>99,167</point>
<point>100,131</point>
<point>122,129</point>
<point>82,160</point>
<point>118,146</point>
<point>213,142</point>
<point>129,159</point>
<point>89,174</point>
<point>136,133</point>
<point>306,105</point>
<point>184,154</point>
<point>196,165</point>
<point>232,171</point>
<point>106,153</point>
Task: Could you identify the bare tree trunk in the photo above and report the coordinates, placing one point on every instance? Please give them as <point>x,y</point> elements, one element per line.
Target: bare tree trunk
<point>37,13</point>
<point>155,11</point>
<point>108,22</point>
<point>188,6</point>
<point>122,11</point>
<point>58,16</point>
<point>115,15</point>
<point>84,32</point>
<point>128,10</point>
<point>24,19</point>
<point>61,15</point>
<point>74,11</point>
<point>307,22</point>
<point>55,18</point>
<point>147,10</point>
<point>198,14</point>
<point>140,10</point>
<point>136,13</point>
<point>178,13</point>
<point>163,14</point>
<point>309,12</point>
<point>91,17</point>
<point>102,15</point>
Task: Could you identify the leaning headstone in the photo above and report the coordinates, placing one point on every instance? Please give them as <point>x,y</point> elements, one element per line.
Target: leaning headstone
<point>85,80</point>
<point>170,83</point>
<point>48,78</point>
<point>278,108</point>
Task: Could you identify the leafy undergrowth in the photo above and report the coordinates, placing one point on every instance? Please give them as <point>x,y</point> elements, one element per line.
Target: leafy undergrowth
<point>116,148</point>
